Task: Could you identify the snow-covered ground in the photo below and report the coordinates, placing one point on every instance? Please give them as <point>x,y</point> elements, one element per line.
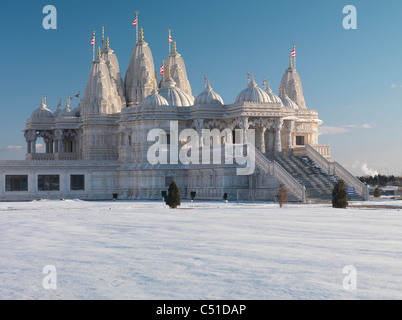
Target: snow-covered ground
<point>143,250</point>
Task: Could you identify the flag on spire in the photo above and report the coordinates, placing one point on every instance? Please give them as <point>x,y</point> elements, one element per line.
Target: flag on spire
<point>293,53</point>
<point>162,69</point>
<point>135,22</point>
<point>103,36</point>
<point>93,39</point>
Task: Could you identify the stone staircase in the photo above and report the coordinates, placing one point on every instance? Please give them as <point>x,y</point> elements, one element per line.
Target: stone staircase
<point>319,185</point>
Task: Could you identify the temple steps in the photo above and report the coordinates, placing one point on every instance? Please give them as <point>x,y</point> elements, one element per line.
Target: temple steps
<point>319,185</point>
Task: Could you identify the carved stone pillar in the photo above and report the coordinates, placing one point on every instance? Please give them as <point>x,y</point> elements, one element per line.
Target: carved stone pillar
<point>32,137</point>
<point>271,141</point>
<point>244,125</point>
<point>290,140</point>
<point>262,139</point>
<point>199,125</point>
<point>278,138</point>
<point>58,135</point>
<point>27,136</point>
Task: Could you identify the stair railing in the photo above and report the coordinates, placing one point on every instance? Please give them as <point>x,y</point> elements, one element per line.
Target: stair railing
<point>275,169</point>
<point>334,168</point>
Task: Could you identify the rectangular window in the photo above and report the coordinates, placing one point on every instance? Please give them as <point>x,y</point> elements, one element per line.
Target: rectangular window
<point>300,141</point>
<point>77,182</point>
<point>49,183</point>
<point>16,183</point>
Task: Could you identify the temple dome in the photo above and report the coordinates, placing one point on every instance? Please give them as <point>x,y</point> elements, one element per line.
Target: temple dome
<point>66,112</point>
<point>175,64</point>
<point>154,100</point>
<point>253,94</point>
<point>274,98</point>
<point>42,113</point>
<point>173,95</point>
<point>287,102</point>
<point>209,98</point>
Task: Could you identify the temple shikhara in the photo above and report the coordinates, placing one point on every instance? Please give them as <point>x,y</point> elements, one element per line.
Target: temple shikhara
<point>99,150</point>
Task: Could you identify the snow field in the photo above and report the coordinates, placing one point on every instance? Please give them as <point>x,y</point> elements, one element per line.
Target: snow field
<point>209,250</point>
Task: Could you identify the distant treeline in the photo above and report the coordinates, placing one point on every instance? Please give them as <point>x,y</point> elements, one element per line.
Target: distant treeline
<point>379,180</point>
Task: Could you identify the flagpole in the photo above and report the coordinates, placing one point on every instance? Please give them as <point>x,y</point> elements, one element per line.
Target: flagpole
<point>163,74</point>
<point>136,27</point>
<point>294,59</point>
<point>170,36</point>
<point>93,47</point>
<point>103,36</point>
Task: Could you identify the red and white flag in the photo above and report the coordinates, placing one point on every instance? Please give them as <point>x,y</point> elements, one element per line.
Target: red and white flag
<point>135,22</point>
<point>162,70</point>
<point>93,41</point>
<point>293,52</point>
<point>170,39</point>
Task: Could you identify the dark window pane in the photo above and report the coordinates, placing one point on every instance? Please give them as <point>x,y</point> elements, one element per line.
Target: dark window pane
<point>16,183</point>
<point>300,141</point>
<point>77,182</point>
<point>48,183</point>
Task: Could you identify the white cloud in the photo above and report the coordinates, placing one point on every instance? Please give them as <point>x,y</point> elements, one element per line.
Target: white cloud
<point>39,148</point>
<point>394,86</point>
<point>343,129</point>
<point>368,171</point>
<point>332,130</point>
<point>14,148</point>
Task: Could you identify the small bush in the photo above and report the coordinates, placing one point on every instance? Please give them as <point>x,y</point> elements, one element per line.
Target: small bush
<point>173,199</point>
<point>282,196</point>
<point>377,193</point>
<point>340,195</point>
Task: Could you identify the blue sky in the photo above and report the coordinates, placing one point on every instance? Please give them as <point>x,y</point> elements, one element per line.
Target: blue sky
<point>351,77</point>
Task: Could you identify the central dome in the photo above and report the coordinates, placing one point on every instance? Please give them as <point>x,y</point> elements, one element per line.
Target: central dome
<point>173,95</point>
<point>253,94</point>
<point>154,100</point>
